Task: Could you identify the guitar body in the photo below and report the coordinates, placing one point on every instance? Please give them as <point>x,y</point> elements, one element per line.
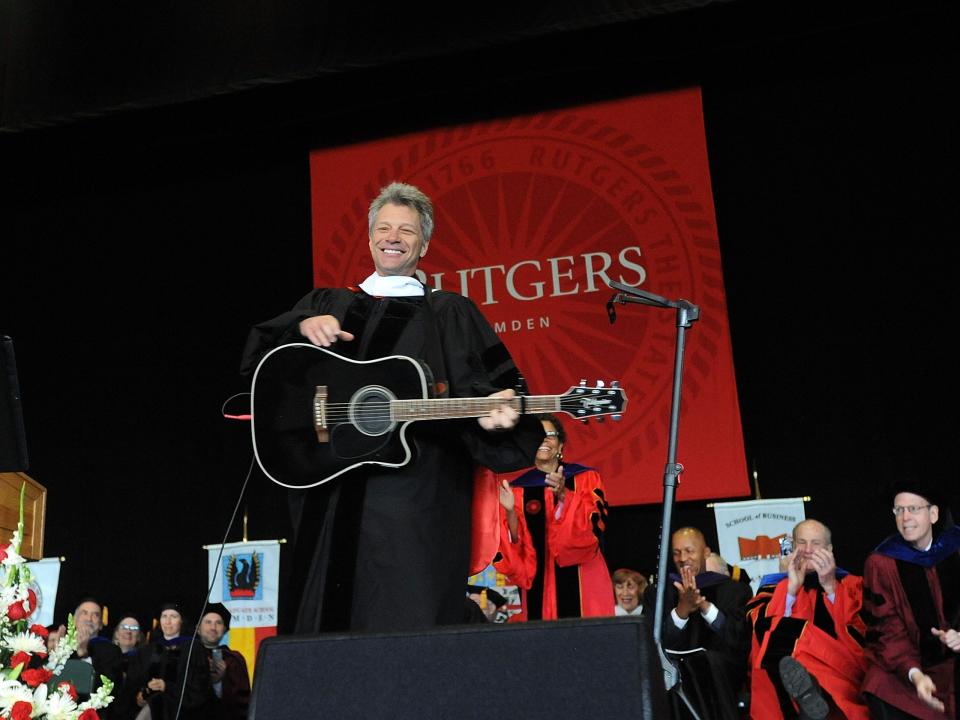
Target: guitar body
<point>359,428</point>
<point>316,415</point>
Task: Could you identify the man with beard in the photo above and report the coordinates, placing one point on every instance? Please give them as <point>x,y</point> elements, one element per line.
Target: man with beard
<point>105,657</point>
<point>228,669</point>
<point>808,626</point>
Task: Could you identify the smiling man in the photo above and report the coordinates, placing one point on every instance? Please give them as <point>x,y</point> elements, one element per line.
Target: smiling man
<point>228,668</point>
<point>812,618</point>
<point>361,538</point>
<point>911,599</point>
<point>705,610</point>
<point>92,647</point>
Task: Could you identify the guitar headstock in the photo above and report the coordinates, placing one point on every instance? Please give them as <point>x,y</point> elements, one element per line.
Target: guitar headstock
<point>584,402</point>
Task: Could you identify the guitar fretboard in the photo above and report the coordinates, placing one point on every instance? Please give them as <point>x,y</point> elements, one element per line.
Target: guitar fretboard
<point>446,408</point>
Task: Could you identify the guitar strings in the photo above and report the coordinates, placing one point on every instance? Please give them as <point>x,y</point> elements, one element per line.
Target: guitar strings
<point>337,412</point>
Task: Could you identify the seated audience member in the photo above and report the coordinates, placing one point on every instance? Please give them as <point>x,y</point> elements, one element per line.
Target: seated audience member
<point>552,520</point>
<point>715,563</point>
<point>228,668</point>
<point>128,636</point>
<point>106,658</point>
<point>911,599</point>
<point>483,604</point>
<point>160,670</point>
<point>808,635</point>
<point>704,610</point>
<point>628,587</point>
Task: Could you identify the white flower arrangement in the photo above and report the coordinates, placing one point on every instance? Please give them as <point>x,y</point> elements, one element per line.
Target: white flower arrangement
<point>28,686</point>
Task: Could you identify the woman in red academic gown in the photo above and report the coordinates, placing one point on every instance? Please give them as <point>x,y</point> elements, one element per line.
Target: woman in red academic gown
<point>552,521</point>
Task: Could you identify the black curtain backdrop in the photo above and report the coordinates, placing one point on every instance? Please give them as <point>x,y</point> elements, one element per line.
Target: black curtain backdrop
<point>142,237</point>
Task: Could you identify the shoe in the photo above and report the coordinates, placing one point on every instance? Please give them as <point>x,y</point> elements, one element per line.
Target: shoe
<point>803,688</point>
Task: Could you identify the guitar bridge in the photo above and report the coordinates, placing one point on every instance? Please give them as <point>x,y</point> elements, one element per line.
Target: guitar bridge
<point>320,414</point>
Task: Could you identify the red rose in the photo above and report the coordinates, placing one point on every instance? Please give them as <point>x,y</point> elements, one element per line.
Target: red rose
<point>3,552</point>
<point>39,630</point>
<point>68,688</point>
<point>21,710</point>
<point>17,611</point>
<point>89,714</point>
<point>20,657</point>
<point>35,676</point>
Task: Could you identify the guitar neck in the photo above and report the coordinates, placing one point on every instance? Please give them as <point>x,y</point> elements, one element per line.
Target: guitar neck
<point>449,408</point>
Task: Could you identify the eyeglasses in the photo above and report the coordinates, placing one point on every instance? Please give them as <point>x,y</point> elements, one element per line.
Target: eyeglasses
<point>912,509</point>
<point>133,628</point>
<point>552,433</point>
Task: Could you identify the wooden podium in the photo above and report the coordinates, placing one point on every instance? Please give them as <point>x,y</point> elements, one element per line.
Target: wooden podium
<point>34,512</point>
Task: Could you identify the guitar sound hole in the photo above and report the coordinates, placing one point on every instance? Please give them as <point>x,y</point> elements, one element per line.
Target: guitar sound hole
<point>370,410</point>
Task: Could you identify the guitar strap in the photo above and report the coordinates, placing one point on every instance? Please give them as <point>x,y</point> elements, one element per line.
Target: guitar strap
<point>434,347</point>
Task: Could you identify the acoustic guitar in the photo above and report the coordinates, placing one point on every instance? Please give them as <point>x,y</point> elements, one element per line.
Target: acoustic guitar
<point>317,415</point>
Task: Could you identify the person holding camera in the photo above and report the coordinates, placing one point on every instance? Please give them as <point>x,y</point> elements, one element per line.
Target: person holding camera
<point>228,668</point>
<point>168,673</point>
<point>808,632</point>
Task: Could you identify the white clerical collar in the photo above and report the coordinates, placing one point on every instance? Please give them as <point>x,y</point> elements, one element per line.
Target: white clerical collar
<point>391,286</point>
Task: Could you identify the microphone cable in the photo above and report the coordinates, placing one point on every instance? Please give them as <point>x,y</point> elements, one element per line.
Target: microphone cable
<point>216,573</point>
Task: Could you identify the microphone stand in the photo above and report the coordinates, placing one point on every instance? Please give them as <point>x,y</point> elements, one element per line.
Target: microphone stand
<point>687,314</point>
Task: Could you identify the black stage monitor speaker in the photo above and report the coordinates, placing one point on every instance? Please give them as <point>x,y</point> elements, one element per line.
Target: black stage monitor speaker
<point>596,668</point>
<point>13,443</point>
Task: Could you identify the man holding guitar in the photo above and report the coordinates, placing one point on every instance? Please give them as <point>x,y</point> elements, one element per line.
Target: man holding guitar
<point>385,544</point>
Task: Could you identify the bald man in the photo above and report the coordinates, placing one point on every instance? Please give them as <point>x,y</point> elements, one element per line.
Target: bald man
<point>812,617</point>
<point>705,610</point>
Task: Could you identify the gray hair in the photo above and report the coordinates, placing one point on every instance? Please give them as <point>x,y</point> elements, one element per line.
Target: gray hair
<point>402,194</point>
<point>718,559</point>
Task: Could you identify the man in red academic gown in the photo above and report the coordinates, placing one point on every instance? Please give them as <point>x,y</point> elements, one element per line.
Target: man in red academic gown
<point>912,601</point>
<point>811,614</point>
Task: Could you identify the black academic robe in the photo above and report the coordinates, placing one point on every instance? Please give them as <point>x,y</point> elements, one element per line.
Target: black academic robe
<point>717,681</point>
<point>233,694</point>
<point>389,549</point>
<point>107,660</point>
<point>167,660</point>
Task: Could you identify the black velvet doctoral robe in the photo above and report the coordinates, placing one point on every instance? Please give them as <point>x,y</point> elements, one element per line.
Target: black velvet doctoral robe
<point>715,684</point>
<point>168,660</point>
<point>389,549</point>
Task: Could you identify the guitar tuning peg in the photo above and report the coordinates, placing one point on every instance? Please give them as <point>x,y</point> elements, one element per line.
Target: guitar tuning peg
<point>585,421</point>
<point>583,382</point>
<point>601,419</point>
<point>599,383</point>
<point>615,384</point>
<point>616,418</point>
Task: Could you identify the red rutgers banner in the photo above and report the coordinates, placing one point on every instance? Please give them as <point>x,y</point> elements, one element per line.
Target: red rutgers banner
<point>534,214</point>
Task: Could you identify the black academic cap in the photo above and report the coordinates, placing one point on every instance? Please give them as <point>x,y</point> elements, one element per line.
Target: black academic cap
<point>173,605</point>
<point>221,610</point>
<point>916,485</point>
